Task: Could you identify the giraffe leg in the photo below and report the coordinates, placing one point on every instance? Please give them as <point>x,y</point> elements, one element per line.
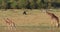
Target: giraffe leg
<point>13,26</point>
<point>57,24</point>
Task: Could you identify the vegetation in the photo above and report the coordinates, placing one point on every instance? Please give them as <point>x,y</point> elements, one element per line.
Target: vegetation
<point>29,4</point>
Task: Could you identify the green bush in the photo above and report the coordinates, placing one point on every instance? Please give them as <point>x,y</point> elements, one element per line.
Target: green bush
<point>24,4</point>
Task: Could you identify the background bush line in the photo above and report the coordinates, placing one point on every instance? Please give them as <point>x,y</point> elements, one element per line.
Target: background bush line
<point>29,4</point>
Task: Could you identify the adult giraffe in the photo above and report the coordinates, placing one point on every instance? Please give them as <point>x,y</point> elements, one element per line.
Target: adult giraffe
<point>53,16</point>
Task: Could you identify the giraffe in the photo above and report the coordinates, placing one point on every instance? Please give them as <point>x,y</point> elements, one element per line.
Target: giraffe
<point>10,23</point>
<point>53,16</point>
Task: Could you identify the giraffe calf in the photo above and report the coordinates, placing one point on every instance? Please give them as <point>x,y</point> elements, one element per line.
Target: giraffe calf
<point>10,23</point>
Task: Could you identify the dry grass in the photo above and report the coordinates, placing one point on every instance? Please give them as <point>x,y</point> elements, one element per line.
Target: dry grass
<point>35,21</point>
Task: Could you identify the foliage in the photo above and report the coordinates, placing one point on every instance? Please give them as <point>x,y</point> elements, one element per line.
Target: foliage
<point>34,4</point>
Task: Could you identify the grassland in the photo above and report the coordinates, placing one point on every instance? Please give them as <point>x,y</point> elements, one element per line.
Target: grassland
<point>34,21</point>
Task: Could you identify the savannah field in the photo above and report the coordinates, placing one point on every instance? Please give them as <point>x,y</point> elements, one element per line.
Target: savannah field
<point>34,21</point>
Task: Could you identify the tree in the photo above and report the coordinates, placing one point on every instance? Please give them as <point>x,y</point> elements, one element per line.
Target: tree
<point>3,4</point>
<point>42,1</point>
<point>35,4</point>
<point>8,6</point>
<point>49,3</point>
<point>28,4</point>
<point>42,4</point>
<point>17,6</point>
